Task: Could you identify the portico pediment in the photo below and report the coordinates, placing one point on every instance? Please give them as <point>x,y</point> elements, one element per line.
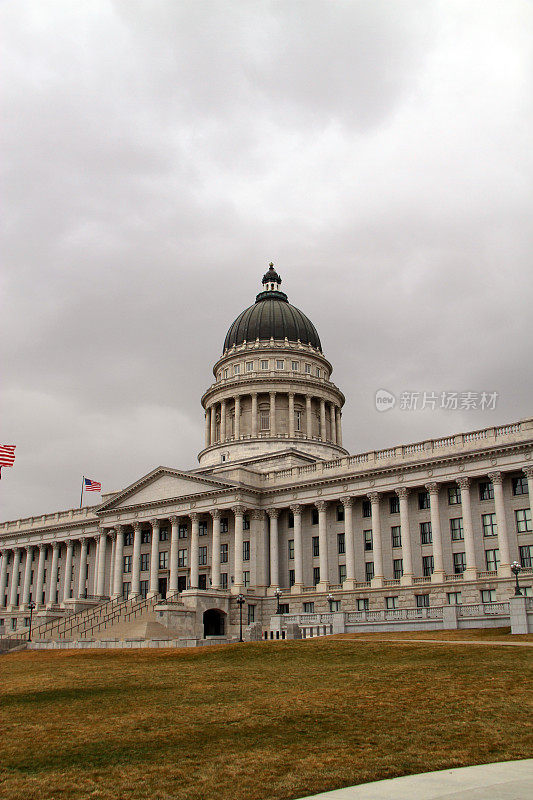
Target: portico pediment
<point>163,484</point>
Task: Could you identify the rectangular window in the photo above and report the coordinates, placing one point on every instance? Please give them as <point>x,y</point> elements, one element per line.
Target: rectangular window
<point>523,520</point>
<point>264,420</point>
<point>486,490</point>
<point>183,559</point>
<point>246,523</point>
<point>520,485</point>
<point>314,516</point>
<point>297,420</point>
<point>316,546</point>
<point>226,372</point>
<point>249,366</point>
<point>335,605</point>
<point>308,369</point>
<point>492,559</point>
<point>246,551</point>
<point>251,614</point>
<point>202,556</point>
<point>391,603</point>
<point>459,563</point>
<point>423,500</point>
<point>126,589</point>
<point>367,508</point>
<point>454,496</point>
<point>369,571</point>
<point>396,535</point>
<point>182,531</point>
<point>422,600</point>
<point>362,604</point>
<point>237,369</point>
<point>342,573</point>
<point>490,528</point>
<point>145,537</point>
<point>291,548</point>
<point>427,566</point>
<point>246,578</point>
<point>394,505</point>
<point>397,567</point>
<point>143,588</point>
<point>291,577</point>
<point>163,535</point>
<point>202,528</point>
<point>224,553</point>
<point>317,372</point>
<point>127,564</point>
<point>316,575</point>
<point>367,536</point>
<point>145,561</point>
<point>224,525</point>
<point>224,580</point>
<point>526,555</point>
<point>163,560</point>
<point>283,608</point>
<point>264,364</point>
<point>340,513</point>
<point>309,608</point>
<point>454,598</point>
<point>290,520</point>
<point>295,366</point>
<point>128,540</point>
<point>340,544</point>
<point>425,533</point>
<point>280,364</point>
<point>456,529</point>
<point>488,595</point>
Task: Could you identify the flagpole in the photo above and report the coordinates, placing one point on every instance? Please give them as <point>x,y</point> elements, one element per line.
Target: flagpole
<point>81,495</point>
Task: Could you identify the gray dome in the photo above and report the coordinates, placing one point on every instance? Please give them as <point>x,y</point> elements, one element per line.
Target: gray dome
<point>272,316</point>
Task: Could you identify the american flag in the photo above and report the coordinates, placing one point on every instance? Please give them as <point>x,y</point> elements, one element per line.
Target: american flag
<point>91,486</point>
<point>7,455</point>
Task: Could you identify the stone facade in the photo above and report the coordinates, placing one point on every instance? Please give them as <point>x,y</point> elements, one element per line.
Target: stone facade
<point>279,503</point>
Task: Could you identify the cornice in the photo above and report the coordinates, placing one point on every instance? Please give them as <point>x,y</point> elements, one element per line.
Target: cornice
<point>316,387</point>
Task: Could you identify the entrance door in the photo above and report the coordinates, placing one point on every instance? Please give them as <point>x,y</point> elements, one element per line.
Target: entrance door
<point>202,581</point>
<point>214,622</point>
<point>163,587</point>
<point>182,583</point>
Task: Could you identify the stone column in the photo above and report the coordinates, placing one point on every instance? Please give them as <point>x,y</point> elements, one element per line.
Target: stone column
<point>82,574</point>
<point>407,554</point>
<point>323,433</point>
<point>154,559</point>
<point>195,550</point>
<point>308,416</point>
<point>291,415</point>
<point>118,575</point>
<point>470,552</point>
<point>273,430</point>
<point>273,514</point>
<point>254,415</point>
<point>259,561</point>
<point>52,585</point>
<point>332,423</point>
<point>223,421</point>
<point>238,511</point>
<point>323,545</point>
<point>27,576</point>
<point>339,427</point>
<point>14,578</point>
<point>349,543</point>
<point>96,562</point>
<point>504,569</point>
<point>207,427</point>
<point>215,555</point>
<point>3,577</point>
<point>102,551</point>
<point>298,550</point>
<point>377,544</point>
<point>136,561</point>
<point>67,580</point>
<point>237,433</point>
<point>528,472</point>
<point>174,545</point>
<point>113,538</point>
<point>436,533</point>
<point>213,424</point>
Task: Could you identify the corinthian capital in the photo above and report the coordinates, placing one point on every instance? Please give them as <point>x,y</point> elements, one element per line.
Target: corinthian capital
<point>403,491</point>
<point>528,472</point>
<point>374,497</point>
<point>296,508</point>
<point>496,478</point>
<point>347,502</point>
<point>273,513</point>
<point>321,505</point>
<point>239,510</point>
<point>463,482</point>
<point>433,487</point>
<point>215,513</point>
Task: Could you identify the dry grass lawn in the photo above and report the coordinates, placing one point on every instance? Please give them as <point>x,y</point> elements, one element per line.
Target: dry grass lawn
<point>254,721</point>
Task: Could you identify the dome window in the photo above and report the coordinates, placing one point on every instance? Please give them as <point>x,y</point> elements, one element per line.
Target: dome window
<point>249,366</point>
<point>317,372</point>
<point>295,366</point>
<point>237,369</point>
<point>308,369</point>
<point>226,373</point>
<point>264,364</point>
<point>280,364</point>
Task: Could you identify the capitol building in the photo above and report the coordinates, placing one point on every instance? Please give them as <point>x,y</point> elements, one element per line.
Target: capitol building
<point>280,530</point>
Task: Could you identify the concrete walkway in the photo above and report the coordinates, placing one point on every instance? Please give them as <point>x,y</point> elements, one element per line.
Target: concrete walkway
<point>506,780</point>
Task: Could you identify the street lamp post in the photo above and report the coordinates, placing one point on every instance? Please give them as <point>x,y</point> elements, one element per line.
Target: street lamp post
<point>278,594</point>
<point>515,569</point>
<point>240,601</point>
<point>31,606</point>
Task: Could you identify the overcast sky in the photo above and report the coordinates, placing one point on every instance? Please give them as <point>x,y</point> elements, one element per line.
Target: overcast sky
<point>158,154</point>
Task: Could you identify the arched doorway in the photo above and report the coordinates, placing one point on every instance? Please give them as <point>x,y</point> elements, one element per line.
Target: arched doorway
<point>214,622</point>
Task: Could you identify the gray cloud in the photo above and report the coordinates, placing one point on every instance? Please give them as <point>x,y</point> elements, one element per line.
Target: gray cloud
<point>157,155</point>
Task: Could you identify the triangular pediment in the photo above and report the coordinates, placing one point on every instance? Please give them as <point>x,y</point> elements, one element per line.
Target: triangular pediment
<point>164,483</point>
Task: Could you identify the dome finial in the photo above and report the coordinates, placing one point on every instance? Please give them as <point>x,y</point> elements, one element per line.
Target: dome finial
<point>271,280</point>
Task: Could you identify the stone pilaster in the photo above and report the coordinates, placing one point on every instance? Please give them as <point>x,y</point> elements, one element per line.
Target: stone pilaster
<point>298,550</point>
<point>349,543</point>
<point>154,558</point>
<point>195,550</point>
<point>52,583</point>
<point>118,575</point>
<point>273,514</point>
<point>14,578</point>
<point>136,561</point>
<point>436,532</point>
<point>308,416</point>
<point>3,576</point>
<point>100,582</point>
<point>407,555</point>
<point>323,546</point>
<point>215,555</point>
<point>174,546</point>
<point>504,569</point>
<point>377,543</point>
<point>67,579</point>
<point>82,572</point>
<point>291,415</point>
<point>238,585</point>
<point>468,530</point>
